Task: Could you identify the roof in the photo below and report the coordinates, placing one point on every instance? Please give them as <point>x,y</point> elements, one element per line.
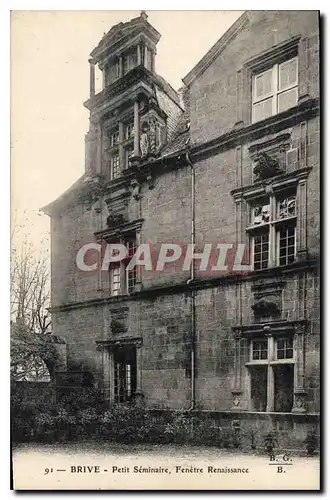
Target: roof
<point>181,135</point>
<point>68,195</point>
<point>122,30</point>
<point>216,49</point>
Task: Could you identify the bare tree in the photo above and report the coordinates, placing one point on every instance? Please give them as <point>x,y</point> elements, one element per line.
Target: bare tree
<point>31,352</point>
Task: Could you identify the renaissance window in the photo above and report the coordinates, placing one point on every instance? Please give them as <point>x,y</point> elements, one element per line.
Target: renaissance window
<point>122,280</point>
<point>115,275</point>
<point>130,60</point>
<point>275,89</point>
<point>271,373</point>
<point>129,151</point>
<point>114,138</point>
<point>114,166</point>
<point>124,374</point>
<point>129,130</point>
<point>272,230</point>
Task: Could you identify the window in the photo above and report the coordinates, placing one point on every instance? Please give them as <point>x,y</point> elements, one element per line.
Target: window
<point>275,89</point>
<point>129,130</point>
<point>114,138</point>
<point>132,274</point>
<point>130,60</point>
<point>272,228</point>
<point>115,166</point>
<point>121,280</point>
<point>125,373</point>
<point>259,349</point>
<point>115,273</point>
<point>271,373</point>
<point>284,348</point>
<point>129,152</point>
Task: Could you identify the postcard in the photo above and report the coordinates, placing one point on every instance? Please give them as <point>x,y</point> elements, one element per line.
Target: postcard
<point>165,242</point>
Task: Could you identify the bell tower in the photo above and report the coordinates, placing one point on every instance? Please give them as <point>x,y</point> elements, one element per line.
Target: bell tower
<point>128,121</point>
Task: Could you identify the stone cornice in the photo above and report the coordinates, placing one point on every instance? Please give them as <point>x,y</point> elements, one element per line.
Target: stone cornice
<point>124,228</point>
<point>198,284</point>
<point>277,182</point>
<point>303,111</point>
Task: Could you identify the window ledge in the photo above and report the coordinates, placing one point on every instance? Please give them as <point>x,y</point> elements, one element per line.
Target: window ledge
<point>277,183</point>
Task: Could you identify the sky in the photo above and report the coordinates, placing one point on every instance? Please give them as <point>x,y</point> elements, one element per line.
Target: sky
<point>50,82</point>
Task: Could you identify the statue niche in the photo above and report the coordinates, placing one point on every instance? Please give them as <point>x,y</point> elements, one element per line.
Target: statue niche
<point>150,138</point>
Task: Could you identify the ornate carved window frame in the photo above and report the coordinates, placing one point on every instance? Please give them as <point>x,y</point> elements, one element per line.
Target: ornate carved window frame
<point>241,391</point>
<point>245,196</point>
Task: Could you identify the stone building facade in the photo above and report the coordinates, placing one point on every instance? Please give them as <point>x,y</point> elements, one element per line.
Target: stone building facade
<point>232,158</point>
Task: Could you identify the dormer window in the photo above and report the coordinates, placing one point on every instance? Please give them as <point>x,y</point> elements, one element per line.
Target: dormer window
<point>130,60</point>
<point>129,130</point>
<point>114,138</point>
<point>275,89</point>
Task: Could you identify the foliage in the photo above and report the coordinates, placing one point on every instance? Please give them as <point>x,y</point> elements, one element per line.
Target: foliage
<point>32,356</point>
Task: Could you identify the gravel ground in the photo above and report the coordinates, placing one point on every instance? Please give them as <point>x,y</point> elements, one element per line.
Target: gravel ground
<point>109,466</point>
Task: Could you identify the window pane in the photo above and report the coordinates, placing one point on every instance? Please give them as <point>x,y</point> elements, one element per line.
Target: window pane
<point>115,170</point>
<point>287,99</point>
<point>259,388</point>
<point>261,247</point>
<point>286,245</point>
<point>262,110</point>
<point>283,388</point>
<point>263,84</point>
<point>284,348</point>
<point>129,130</point>
<point>260,349</point>
<point>288,73</point>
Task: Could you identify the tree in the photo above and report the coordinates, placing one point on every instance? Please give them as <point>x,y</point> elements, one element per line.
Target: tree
<point>32,355</point>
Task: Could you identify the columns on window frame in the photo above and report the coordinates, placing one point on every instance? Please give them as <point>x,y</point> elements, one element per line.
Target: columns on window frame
<point>303,65</point>
<point>301,201</point>
<point>138,284</point>
<point>146,56</point>
<point>98,163</point>
<point>121,149</point>
<point>121,66</point>
<point>91,78</point>
<point>270,371</point>
<point>272,231</point>
<point>136,129</point>
<point>299,394</point>
<point>139,54</point>
<point>237,389</point>
<point>139,391</point>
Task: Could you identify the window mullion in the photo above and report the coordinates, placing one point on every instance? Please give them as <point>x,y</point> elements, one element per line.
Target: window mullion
<point>272,233</point>
<point>275,88</point>
<point>270,375</point>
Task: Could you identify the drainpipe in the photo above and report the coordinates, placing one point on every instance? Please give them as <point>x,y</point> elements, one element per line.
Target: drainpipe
<point>190,280</point>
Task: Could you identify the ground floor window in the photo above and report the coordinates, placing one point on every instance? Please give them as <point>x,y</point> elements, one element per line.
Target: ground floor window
<point>271,373</point>
<point>124,374</point>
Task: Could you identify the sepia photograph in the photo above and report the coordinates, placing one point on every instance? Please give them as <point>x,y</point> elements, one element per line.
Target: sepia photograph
<point>165,250</point>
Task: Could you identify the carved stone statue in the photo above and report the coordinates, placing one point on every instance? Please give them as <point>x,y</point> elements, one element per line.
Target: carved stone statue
<point>144,139</point>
